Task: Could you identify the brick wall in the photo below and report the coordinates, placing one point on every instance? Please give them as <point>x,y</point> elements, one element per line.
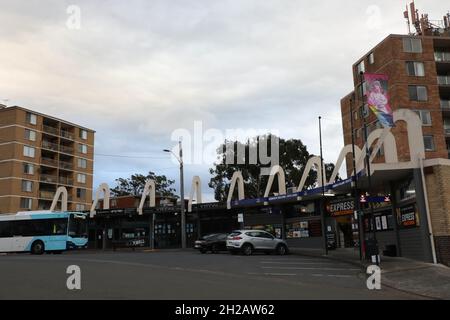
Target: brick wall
<point>438,190</point>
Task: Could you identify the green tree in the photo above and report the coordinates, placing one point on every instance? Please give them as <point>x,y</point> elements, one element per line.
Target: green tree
<point>293,156</point>
<point>134,185</point>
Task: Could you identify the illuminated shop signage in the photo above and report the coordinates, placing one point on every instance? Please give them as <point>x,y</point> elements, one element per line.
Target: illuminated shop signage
<point>336,208</point>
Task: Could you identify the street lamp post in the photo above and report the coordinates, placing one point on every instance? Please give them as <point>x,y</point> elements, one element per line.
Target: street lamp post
<point>183,213</point>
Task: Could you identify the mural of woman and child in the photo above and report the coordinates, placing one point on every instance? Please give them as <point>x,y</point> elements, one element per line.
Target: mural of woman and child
<point>378,99</point>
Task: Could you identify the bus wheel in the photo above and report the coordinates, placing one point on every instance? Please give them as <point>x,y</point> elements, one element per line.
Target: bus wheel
<point>37,247</point>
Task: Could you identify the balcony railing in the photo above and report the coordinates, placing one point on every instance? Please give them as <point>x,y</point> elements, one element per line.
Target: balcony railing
<point>49,129</point>
<point>49,161</point>
<point>447,131</point>
<point>65,149</point>
<point>46,194</point>
<point>48,178</point>
<point>445,104</point>
<point>66,180</point>
<point>65,165</point>
<point>442,56</point>
<point>444,80</point>
<point>66,134</point>
<point>49,145</point>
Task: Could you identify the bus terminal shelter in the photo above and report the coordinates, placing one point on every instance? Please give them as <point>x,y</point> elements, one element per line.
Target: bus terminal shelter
<point>309,219</point>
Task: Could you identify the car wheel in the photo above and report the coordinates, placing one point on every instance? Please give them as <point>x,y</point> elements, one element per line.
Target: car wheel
<point>247,249</point>
<point>203,251</point>
<point>37,247</point>
<point>281,250</point>
<point>214,249</point>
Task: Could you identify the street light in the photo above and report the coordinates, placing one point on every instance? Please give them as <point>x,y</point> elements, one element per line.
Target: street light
<point>183,215</point>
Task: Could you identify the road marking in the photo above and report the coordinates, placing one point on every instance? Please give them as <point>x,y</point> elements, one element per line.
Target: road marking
<point>274,262</point>
<point>273,274</point>
<point>332,275</point>
<point>304,268</point>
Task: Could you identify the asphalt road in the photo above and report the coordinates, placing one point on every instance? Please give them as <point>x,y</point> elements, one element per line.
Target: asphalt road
<point>184,275</point>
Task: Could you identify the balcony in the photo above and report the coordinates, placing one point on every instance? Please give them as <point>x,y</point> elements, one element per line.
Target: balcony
<point>447,131</point>
<point>49,162</point>
<point>51,130</point>
<point>442,56</point>
<point>66,134</point>
<point>65,165</point>
<point>66,180</point>
<point>49,145</point>
<point>65,149</point>
<point>46,195</point>
<point>444,80</point>
<point>47,178</point>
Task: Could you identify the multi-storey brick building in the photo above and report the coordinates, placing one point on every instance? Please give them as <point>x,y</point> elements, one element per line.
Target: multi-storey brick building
<point>39,153</point>
<point>418,67</point>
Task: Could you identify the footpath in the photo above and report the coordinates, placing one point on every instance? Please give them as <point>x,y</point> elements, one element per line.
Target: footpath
<point>421,278</point>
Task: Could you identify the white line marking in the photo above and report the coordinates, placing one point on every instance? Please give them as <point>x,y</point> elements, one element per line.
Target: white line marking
<point>297,268</point>
<point>273,274</point>
<point>331,275</point>
<point>273,262</point>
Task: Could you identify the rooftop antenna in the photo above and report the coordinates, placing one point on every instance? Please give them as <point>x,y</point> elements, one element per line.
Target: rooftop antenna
<point>415,18</point>
<point>408,22</point>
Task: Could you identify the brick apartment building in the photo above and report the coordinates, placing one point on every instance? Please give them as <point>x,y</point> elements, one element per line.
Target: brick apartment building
<point>39,153</point>
<point>418,67</point>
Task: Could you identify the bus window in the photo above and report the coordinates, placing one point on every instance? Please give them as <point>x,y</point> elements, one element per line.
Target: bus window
<point>58,227</point>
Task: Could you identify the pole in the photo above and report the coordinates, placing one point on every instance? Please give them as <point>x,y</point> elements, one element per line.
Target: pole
<point>322,211</point>
<point>367,158</point>
<point>427,209</point>
<point>183,216</point>
<point>355,184</point>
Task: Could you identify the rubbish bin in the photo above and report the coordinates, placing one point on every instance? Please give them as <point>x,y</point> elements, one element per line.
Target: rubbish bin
<point>371,246</point>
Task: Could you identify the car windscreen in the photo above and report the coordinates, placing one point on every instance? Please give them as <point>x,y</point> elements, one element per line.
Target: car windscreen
<point>209,236</point>
<point>234,234</point>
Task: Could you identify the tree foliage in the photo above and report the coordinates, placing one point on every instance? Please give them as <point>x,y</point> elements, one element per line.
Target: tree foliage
<point>293,156</point>
<point>134,185</point>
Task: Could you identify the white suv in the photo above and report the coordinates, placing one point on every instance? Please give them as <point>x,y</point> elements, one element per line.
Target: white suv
<point>249,241</point>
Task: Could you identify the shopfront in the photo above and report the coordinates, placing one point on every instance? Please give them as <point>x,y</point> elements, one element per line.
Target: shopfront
<point>342,222</point>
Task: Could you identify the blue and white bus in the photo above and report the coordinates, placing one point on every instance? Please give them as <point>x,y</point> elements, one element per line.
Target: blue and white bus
<point>42,231</point>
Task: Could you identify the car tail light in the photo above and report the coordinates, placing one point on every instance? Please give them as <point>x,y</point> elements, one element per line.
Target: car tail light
<point>236,238</point>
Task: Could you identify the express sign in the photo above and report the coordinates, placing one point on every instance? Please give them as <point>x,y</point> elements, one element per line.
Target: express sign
<point>341,207</point>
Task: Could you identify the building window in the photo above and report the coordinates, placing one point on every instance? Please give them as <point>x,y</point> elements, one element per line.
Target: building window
<point>429,143</point>
<point>27,186</point>
<point>81,193</point>
<point>371,58</point>
<point>412,45</point>
<point>26,203</point>
<point>425,116</point>
<point>415,69</point>
<point>82,163</point>
<point>28,151</point>
<point>361,67</point>
<point>28,168</point>
<point>80,207</point>
<point>82,148</point>
<point>418,93</point>
<point>31,118</point>
<point>83,134</point>
<point>30,135</point>
<point>81,178</point>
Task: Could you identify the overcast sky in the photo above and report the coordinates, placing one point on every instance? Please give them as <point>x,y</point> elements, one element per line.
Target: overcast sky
<point>135,71</point>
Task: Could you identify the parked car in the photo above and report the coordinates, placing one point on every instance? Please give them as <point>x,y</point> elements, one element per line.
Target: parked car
<point>249,241</point>
<point>214,242</point>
